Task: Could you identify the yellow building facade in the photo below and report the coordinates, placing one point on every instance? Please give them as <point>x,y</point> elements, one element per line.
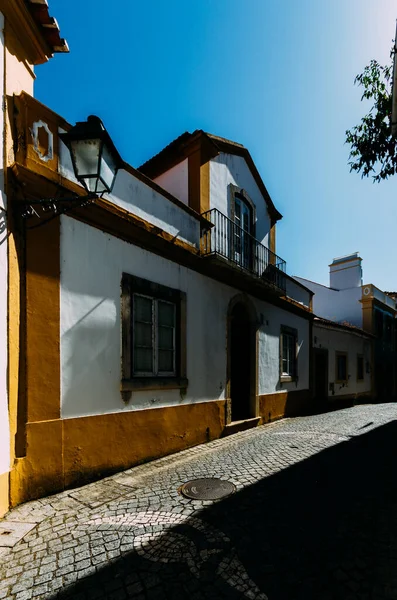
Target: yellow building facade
<point>29,36</point>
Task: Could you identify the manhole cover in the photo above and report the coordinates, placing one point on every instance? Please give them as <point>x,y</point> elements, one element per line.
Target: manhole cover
<point>207,489</point>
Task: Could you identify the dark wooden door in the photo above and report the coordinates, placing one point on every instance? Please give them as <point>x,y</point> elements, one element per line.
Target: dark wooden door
<point>321,374</point>
<point>240,363</point>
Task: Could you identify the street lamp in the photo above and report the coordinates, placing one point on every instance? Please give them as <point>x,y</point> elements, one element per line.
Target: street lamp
<point>94,156</point>
<point>95,163</point>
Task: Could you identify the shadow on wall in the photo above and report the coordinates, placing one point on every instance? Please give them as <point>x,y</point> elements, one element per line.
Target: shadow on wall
<point>324,528</point>
<point>90,365</point>
<point>3,226</point>
<point>3,214</point>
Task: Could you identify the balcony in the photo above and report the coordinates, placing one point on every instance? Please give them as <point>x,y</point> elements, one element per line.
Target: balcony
<point>229,242</point>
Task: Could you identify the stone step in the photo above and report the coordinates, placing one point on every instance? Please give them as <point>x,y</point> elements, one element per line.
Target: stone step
<point>236,426</point>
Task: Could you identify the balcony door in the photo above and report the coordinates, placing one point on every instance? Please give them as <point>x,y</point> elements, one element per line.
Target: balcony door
<point>243,230</point>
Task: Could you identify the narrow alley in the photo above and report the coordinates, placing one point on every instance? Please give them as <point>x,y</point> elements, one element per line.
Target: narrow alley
<point>314,516</point>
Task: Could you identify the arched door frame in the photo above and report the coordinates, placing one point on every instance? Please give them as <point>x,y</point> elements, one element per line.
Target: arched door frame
<point>253,325</point>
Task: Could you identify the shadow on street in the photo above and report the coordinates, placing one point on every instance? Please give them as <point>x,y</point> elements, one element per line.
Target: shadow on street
<point>325,528</point>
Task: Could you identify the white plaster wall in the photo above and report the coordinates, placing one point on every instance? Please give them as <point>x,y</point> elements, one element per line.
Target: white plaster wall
<point>343,305</point>
<point>176,181</point>
<point>228,169</point>
<point>353,344</point>
<point>140,199</point>
<point>346,275</point>
<point>92,264</point>
<point>4,421</point>
<point>298,293</point>
<point>269,349</point>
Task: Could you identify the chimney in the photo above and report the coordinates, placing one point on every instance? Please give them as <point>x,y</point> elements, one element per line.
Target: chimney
<point>346,272</point>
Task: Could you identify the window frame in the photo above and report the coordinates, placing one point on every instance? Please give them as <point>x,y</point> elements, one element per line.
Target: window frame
<point>155,338</point>
<point>291,332</point>
<point>360,357</point>
<point>345,355</point>
<point>242,195</point>
<point>132,380</point>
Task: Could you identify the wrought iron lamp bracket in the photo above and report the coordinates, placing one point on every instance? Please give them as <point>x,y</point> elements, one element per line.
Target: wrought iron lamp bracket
<point>53,206</point>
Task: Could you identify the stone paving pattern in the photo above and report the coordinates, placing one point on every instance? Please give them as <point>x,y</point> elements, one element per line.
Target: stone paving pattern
<point>314,517</point>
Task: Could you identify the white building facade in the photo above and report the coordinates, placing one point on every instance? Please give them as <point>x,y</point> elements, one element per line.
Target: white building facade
<point>167,321</point>
<point>348,301</point>
<point>342,357</point>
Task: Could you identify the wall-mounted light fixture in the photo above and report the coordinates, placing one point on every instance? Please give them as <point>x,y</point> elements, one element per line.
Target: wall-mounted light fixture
<point>95,163</point>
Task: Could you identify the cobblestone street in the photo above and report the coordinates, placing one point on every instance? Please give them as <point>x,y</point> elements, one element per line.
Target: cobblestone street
<point>314,517</point>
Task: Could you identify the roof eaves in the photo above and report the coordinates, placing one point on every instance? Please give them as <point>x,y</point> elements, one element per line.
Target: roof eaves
<point>348,327</point>
<point>47,25</point>
<point>231,147</point>
<point>177,151</point>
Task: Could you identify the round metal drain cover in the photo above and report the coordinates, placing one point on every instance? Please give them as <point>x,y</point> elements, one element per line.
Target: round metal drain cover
<point>207,489</point>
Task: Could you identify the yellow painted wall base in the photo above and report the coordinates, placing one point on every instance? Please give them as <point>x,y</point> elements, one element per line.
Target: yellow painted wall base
<point>283,404</point>
<point>4,493</point>
<point>63,453</point>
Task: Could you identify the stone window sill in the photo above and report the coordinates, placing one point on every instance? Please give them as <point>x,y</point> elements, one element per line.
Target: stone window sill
<point>154,383</point>
<point>287,378</point>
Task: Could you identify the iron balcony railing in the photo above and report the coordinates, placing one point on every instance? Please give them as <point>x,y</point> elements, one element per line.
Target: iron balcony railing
<point>228,240</point>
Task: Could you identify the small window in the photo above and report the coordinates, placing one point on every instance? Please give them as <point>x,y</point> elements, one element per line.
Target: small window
<point>341,367</point>
<point>360,367</point>
<point>288,353</point>
<point>153,335</point>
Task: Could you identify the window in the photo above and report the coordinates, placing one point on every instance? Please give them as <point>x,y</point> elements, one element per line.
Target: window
<point>360,367</point>
<point>341,367</point>
<point>243,242</point>
<point>153,335</point>
<point>288,353</point>
<point>243,217</point>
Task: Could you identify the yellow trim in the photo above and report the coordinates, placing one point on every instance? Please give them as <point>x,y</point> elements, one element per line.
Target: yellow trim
<point>343,268</point>
<point>34,392</point>
<point>40,473</point>
<point>67,452</point>
<point>348,260</point>
<point>4,491</point>
<point>205,187</point>
<point>43,322</point>
<point>272,237</point>
<point>13,332</point>
<point>194,179</point>
<point>283,404</point>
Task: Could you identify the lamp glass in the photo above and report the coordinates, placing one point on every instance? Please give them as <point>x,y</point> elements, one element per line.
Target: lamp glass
<point>108,168</point>
<point>85,156</point>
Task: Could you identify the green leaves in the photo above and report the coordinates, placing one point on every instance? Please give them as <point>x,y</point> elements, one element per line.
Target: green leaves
<point>373,149</point>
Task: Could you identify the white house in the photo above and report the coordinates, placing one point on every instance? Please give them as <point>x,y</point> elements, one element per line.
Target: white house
<point>342,363</point>
<point>348,301</point>
<point>157,317</point>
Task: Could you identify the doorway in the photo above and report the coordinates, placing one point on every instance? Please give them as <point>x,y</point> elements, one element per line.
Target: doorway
<point>242,363</point>
<point>320,376</point>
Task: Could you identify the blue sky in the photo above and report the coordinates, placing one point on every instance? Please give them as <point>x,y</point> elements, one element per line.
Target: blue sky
<point>274,75</point>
